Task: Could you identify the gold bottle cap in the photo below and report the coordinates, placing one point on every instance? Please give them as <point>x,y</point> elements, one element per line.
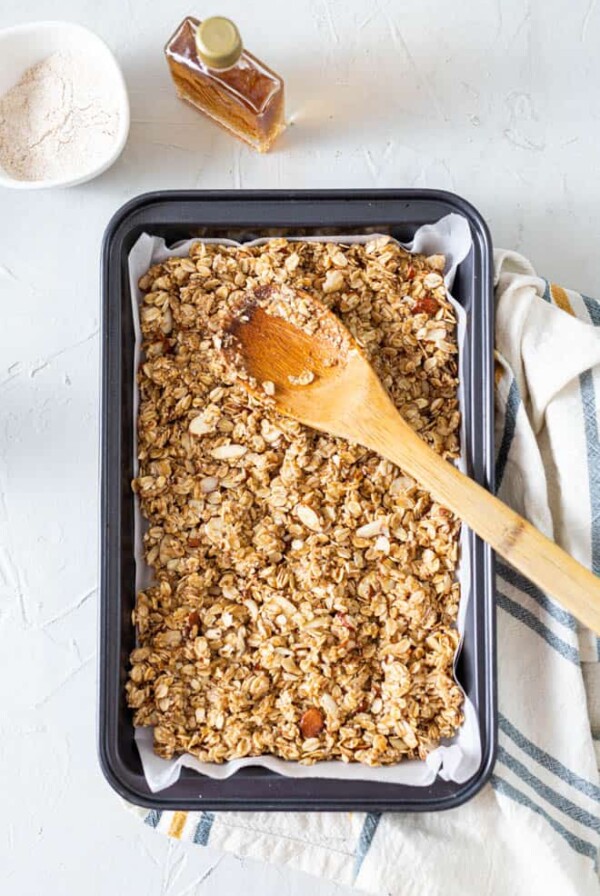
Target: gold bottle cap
<point>218,42</point>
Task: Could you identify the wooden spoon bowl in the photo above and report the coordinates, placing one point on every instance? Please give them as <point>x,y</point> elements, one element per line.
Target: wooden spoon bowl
<point>301,370</point>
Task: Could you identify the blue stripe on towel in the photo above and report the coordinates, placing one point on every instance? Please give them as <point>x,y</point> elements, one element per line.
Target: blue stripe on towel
<point>550,763</point>
<point>586,382</point>
<point>546,294</point>
<point>202,832</point>
<point>527,618</point>
<point>592,439</point>
<point>564,805</point>
<point>152,818</point>
<point>369,827</point>
<point>510,421</point>
<point>577,843</point>
<point>593,309</point>
<point>517,580</point>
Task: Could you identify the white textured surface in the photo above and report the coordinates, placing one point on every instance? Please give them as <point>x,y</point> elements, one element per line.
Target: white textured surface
<point>496,101</point>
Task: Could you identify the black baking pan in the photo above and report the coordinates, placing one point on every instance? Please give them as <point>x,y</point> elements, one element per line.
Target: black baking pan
<point>245,215</point>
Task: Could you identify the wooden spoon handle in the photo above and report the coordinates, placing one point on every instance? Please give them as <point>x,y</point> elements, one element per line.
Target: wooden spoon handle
<point>515,539</point>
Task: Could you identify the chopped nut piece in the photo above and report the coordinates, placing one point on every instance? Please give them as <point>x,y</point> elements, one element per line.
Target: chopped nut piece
<point>334,280</point>
<point>269,432</point>
<point>432,281</point>
<point>436,262</point>
<point>194,620</point>
<point>382,544</point>
<point>426,305</point>
<point>268,387</point>
<point>303,379</point>
<point>311,722</point>
<point>292,262</point>
<point>340,260</point>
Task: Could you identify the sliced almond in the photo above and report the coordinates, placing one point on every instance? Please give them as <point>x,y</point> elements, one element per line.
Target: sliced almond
<point>435,334</point>
<point>329,705</point>
<point>228,452</point>
<point>207,421</point>
<point>371,530</point>
<point>199,427</point>
<point>308,516</point>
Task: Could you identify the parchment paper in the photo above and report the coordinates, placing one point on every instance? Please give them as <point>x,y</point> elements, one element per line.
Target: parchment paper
<point>457,759</point>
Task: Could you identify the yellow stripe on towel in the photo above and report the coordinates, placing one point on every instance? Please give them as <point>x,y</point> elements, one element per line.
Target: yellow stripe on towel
<point>177,824</point>
<point>561,299</point>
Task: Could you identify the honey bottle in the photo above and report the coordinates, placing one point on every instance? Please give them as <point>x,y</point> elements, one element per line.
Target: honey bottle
<point>214,73</point>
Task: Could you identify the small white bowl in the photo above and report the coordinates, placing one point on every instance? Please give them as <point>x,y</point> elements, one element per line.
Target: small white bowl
<point>24,45</point>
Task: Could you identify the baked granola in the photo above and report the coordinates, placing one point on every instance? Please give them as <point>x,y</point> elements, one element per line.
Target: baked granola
<point>304,598</point>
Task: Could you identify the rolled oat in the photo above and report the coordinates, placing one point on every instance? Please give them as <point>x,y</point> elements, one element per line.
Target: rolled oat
<point>304,597</point>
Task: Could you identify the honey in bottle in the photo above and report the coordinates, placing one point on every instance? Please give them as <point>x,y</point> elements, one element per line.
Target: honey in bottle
<point>214,73</point>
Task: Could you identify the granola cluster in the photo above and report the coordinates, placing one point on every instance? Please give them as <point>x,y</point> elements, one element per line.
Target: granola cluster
<point>304,597</point>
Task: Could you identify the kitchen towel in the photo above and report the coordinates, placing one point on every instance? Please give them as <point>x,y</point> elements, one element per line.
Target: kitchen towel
<point>535,829</point>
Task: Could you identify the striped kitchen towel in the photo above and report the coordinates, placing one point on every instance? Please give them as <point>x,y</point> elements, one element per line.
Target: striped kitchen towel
<point>535,828</point>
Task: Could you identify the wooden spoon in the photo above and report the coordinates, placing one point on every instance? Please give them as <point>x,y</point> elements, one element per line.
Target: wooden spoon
<point>290,350</point>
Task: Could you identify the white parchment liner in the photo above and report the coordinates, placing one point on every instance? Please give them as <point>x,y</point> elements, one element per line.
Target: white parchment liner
<point>459,758</point>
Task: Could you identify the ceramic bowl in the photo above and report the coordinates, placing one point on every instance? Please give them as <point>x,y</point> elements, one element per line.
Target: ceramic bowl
<point>24,45</point>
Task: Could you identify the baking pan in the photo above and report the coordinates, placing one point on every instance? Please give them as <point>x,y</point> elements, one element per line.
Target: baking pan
<point>244,215</point>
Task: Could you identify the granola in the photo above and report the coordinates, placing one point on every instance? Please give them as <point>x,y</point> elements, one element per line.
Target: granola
<point>304,598</point>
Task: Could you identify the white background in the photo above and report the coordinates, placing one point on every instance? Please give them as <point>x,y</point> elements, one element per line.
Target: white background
<point>498,101</point>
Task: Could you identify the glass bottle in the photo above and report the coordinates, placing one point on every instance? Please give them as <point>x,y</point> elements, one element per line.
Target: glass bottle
<point>213,72</point>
